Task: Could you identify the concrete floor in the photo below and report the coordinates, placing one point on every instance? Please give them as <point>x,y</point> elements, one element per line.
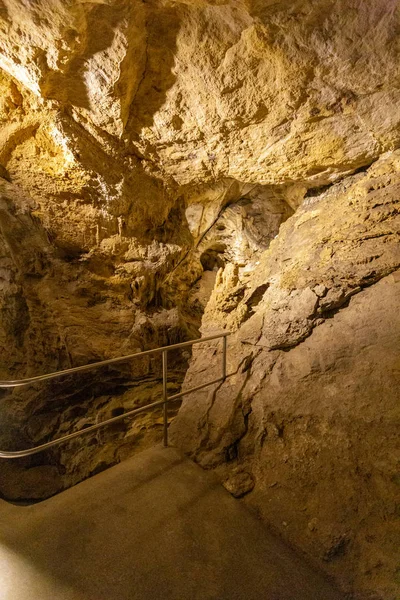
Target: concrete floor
<point>154,527</point>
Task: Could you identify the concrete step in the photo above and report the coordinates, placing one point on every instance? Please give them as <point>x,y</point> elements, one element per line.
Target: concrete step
<point>154,527</point>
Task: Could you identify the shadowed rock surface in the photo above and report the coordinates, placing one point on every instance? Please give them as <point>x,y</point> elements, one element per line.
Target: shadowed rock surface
<point>308,423</point>
<point>176,167</point>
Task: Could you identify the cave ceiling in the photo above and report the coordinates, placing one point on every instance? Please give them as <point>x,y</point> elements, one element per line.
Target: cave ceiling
<point>103,99</point>
<point>170,168</point>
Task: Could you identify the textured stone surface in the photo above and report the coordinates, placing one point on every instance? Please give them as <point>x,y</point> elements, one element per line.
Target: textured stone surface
<point>150,154</point>
<point>311,409</point>
<point>57,314</point>
<point>260,92</point>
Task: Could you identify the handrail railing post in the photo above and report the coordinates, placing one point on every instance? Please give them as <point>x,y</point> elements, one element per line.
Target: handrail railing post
<point>164,402</point>
<point>224,358</point>
<point>165,394</point>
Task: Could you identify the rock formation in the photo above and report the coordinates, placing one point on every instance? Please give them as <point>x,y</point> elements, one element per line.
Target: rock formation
<point>170,166</point>
<point>308,420</point>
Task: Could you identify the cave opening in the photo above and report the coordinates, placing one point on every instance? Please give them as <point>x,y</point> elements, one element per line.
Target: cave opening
<point>212,259</point>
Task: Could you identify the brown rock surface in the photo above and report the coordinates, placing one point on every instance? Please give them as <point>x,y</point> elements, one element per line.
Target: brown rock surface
<point>163,158</point>
<point>56,314</point>
<point>311,408</point>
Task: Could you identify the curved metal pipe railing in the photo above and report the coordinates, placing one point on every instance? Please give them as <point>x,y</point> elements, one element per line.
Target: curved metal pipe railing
<point>164,402</point>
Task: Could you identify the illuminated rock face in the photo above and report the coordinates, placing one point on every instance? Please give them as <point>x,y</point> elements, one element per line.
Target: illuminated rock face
<point>150,154</point>
<point>309,418</point>
<point>261,92</point>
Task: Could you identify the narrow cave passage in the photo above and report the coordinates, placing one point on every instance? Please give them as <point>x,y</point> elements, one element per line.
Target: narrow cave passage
<point>173,169</point>
<point>235,238</point>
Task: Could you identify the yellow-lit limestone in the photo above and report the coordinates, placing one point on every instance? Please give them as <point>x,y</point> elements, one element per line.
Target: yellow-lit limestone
<point>309,418</point>
<point>171,164</point>
<point>258,91</point>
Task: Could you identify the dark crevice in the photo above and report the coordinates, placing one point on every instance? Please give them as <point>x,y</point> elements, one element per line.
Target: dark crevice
<point>319,190</point>
<point>255,298</point>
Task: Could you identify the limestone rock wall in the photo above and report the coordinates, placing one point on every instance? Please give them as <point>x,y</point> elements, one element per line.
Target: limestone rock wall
<point>56,314</point>
<point>257,91</point>
<point>306,425</point>
<point>162,159</point>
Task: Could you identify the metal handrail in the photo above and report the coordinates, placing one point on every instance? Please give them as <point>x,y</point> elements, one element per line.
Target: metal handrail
<point>164,402</point>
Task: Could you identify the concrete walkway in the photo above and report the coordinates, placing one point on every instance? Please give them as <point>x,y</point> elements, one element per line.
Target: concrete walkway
<point>154,527</point>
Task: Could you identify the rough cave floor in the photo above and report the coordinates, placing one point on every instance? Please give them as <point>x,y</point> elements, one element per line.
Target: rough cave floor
<point>155,526</point>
